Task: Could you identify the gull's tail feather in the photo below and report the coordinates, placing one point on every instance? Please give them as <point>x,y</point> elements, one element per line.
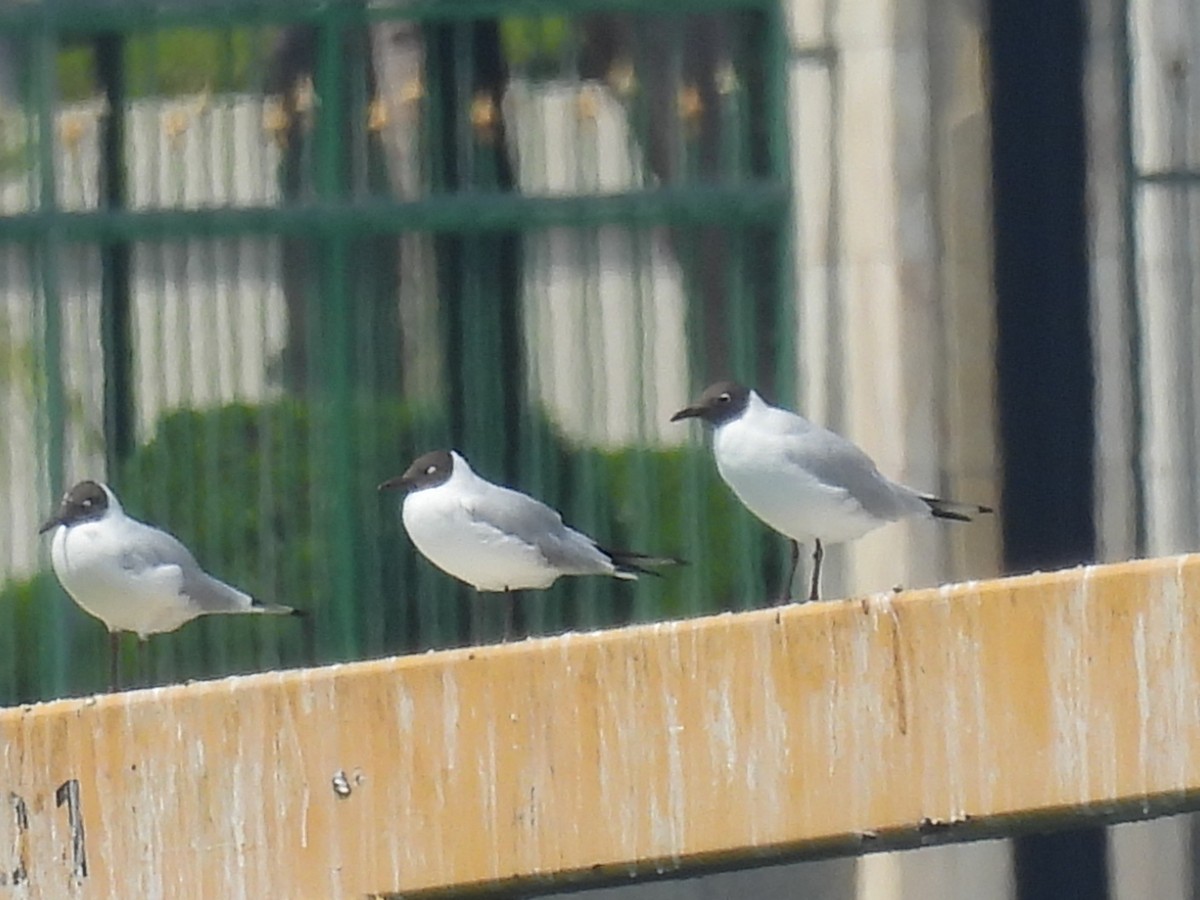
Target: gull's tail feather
<point>631,564</point>
<point>952,509</point>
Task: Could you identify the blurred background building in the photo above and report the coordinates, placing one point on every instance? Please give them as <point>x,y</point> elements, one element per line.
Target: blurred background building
<point>256,256</point>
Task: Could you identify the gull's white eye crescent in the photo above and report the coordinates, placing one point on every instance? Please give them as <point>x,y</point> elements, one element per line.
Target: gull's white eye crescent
<point>431,470</point>
<point>86,504</point>
<point>725,398</point>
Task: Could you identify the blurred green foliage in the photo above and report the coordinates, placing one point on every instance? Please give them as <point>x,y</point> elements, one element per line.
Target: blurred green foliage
<point>233,483</point>
<point>14,158</point>
<point>180,61</point>
<point>653,483</point>
<point>34,612</point>
<point>247,488</point>
<point>243,487</point>
<point>535,44</point>
<point>172,62</point>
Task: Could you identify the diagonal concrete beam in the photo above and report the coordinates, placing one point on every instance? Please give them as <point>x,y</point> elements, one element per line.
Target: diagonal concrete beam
<point>840,727</point>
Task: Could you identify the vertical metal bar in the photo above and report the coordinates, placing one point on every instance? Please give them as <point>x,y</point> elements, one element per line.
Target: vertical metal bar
<point>783,298</point>
<point>18,263</point>
<point>744,300</point>
<point>479,332</point>
<point>648,529</point>
<point>463,83</point>
<point>45,90</point>
<point>52,661</point>
<point>1130,188</point>
<point>114,260</point>
<point>13,266</point>
<point>335,396</point>
<point>775,85</point>
<point>432,143</point>
<point>444,110</point>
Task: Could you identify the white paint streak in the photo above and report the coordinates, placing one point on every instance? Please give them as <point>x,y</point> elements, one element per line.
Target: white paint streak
<point>402,762</point>
<point>487,771</point>
<point>863,719</point>
<point>948,787</point>
<point>775,760</point>
<point>1170,749</point>
<point>629,722</point>
<point>831,723</point>
<point>989,770</point>
<point>722,728</point>
<point>142,812</point>
<point>1143,697</point>
<point>659,834</point>
<point>237,818</point>
<point>1068,671</point>
<point>405,712</point>
<point>450,718</point>
<point>676,827</point>
<point>1166,688</point>
<point>304,806</point>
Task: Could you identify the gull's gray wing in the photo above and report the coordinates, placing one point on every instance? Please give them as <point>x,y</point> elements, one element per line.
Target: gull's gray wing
<point>158,556</point>
<point>532,522</point>
<point>840,464</point>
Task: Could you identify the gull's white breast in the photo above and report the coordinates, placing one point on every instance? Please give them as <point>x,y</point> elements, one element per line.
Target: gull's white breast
<point>440,524</point>
<point>759,464</point>
<point>88,559</point>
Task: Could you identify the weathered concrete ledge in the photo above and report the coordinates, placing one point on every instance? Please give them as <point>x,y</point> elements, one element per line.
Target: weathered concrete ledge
<point>863,724</point>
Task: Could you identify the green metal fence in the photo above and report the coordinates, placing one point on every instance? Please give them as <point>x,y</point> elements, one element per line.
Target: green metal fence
<point>255,256</point>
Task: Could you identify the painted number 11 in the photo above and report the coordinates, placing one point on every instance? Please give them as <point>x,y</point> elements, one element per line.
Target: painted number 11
<point>16,872</point>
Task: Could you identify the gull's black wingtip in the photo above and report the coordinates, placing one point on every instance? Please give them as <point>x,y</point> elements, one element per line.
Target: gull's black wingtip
<point>631,562</point>
<point>277,609</point>
<point>955,511</point>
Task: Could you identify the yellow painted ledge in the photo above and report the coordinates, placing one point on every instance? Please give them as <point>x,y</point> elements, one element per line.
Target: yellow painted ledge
<point>839,726</point>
